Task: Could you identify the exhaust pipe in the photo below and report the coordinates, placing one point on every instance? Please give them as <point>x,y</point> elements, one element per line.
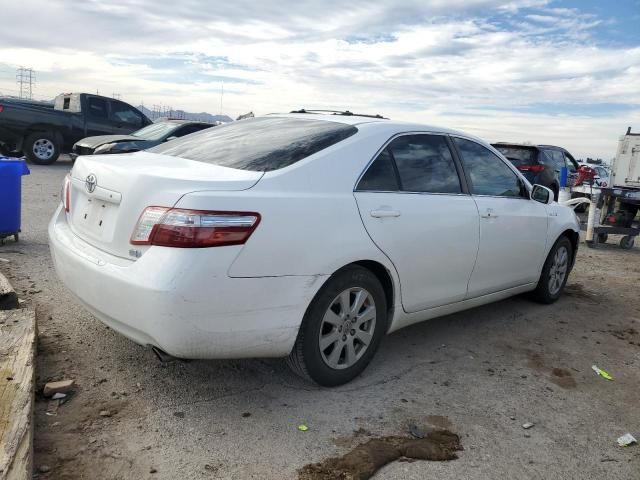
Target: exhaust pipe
<point>163,356</point>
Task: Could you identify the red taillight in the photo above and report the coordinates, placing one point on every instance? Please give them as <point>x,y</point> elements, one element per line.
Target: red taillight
<point>66,192</point>
<point>531,168</point>
<point>1,108</point>
<point>177,227</point>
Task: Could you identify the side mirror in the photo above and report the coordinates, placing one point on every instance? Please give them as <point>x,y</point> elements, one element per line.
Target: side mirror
<point>542,194</point>
<point>170,138</point>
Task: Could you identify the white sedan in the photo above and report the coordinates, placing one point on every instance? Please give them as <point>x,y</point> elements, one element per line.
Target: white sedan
<point>304,235</point>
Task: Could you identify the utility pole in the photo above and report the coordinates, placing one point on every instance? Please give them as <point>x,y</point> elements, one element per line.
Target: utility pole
<point>115,96</point>
<point>25,79</point>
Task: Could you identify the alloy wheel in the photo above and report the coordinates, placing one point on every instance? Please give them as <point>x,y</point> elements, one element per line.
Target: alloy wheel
<point>347,328</point>
<point>558,271</point>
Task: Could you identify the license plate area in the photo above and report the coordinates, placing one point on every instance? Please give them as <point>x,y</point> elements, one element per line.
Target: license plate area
<point>94,217</point>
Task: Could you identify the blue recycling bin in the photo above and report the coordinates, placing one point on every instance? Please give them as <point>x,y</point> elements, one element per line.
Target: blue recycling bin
<point>11,172</point>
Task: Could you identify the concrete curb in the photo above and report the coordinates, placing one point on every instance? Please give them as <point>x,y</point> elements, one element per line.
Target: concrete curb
<point>17,377</point>
<point>8,297</point>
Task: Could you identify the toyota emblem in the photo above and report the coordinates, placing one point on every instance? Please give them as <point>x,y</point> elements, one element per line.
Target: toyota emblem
<point>90,183</point>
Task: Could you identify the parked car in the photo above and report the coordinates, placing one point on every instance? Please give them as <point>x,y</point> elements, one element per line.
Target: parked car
<point>148,137</point>
<point>541,164</point>
<point>304,236</point>
<point>43,131</point>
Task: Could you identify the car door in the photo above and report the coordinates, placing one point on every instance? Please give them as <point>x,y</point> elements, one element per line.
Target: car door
<point>513,228</point>
<point>97,117</point>
<point>125,119</point>
<point>414,207</point>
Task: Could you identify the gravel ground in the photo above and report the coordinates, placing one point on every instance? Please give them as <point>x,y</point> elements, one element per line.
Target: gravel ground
<point>481,373</point>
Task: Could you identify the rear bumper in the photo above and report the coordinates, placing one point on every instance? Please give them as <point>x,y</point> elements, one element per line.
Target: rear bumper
<point>182,300</point>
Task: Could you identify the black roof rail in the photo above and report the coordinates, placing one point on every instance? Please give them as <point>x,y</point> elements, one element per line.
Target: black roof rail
<point>346,113</point>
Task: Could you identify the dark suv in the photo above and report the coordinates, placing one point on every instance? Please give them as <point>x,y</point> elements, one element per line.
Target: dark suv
<point>540,164</point>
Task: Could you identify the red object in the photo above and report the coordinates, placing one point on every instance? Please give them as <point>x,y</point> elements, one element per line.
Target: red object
<point>1,108</point>
<point>531,168</point>
<point>586,174</point>
<point>184,228</point>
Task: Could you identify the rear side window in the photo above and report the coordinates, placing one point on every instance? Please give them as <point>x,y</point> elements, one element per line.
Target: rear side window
<point>381,175</point>
<point>97,107</point>
<point>413,163</point>
<point>258,144</point>
<point>557,159</point>
<point>425,164</point>
<point>519,156</point>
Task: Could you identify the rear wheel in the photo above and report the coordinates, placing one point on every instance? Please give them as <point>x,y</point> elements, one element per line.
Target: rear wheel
<point>603,237</point>
<point>341,329</point>
<point>554,272</point>
<point>42,148</point>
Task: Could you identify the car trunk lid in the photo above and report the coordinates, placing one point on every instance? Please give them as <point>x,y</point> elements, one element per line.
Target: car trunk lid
<point>108,193</point>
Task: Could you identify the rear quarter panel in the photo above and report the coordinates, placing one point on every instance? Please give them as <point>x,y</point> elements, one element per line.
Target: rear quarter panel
<point>310,223</point>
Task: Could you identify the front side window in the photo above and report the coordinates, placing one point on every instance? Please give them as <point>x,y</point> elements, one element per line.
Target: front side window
<point>122,112</point>
<point>489,175</point>
<point>260,144</point>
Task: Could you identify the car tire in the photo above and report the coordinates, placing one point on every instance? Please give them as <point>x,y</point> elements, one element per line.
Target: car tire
<point>334,343</point>
<point>555,272</point>
<point>42,148</point>
<point>627,242</point>
<point>603,237</point>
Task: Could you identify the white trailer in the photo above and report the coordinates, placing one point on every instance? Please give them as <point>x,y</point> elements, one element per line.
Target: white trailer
<point>625,169</point>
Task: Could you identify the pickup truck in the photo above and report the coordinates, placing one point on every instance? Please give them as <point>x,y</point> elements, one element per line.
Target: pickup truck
<point>43,131</point>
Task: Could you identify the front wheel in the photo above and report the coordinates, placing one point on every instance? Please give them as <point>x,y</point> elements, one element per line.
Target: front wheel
<point>554,272</point>
<point>341,329</point>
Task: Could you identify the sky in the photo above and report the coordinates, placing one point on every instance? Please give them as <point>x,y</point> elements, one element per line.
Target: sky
<point>543,71</point>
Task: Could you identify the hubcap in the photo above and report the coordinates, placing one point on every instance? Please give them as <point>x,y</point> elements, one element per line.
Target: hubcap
<point>347,328</point>
<point>43,149</point>
<point>558,270</point>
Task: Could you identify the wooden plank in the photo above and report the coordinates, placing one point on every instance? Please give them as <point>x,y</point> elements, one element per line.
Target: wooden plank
<point>17,365</point>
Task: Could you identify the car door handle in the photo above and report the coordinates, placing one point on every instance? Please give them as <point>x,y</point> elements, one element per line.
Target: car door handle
<point>384,213</point>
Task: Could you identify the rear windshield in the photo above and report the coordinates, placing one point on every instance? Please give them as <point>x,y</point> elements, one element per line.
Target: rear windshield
<point>258,144</point>
<point>518,155</point>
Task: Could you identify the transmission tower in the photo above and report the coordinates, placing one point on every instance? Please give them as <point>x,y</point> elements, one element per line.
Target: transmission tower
<point>26,79</point>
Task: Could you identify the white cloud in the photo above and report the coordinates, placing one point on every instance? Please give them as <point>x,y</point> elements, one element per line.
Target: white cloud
<point>477,65</point>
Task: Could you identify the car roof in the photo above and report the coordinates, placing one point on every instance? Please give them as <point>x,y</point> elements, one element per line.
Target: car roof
<point>184,122</point>
<point>381,123</point>
<point>518,145</point>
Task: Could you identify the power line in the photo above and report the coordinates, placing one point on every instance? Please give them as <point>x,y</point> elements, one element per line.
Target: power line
<point>25,79</point>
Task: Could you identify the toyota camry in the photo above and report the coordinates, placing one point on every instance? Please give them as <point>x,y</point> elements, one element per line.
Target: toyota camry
<point>305,235</point>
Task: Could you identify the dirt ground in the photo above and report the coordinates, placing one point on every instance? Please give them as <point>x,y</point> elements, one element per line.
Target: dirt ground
<point>481,374</point>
